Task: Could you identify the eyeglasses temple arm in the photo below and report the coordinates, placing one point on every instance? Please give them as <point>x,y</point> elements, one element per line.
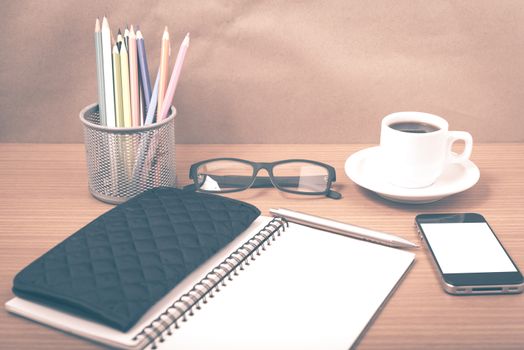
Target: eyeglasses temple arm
<point>232,181</point>
<point>229,181</point>
<point>260,181</point>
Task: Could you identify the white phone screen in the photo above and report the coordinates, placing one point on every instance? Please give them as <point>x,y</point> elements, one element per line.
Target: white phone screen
<point>466,248</point>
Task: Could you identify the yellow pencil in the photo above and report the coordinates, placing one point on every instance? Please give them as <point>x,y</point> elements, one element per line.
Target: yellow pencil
<point>164,67</point>
<point>118,87</point>
<point>126,93</point>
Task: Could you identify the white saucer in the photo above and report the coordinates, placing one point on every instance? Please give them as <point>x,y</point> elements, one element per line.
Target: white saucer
<point>364,169</point>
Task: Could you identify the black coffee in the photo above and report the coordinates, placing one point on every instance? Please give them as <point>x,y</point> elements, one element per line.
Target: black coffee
<point>414,127</point>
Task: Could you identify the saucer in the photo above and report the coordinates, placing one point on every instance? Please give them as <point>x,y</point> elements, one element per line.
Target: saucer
<point>364,169</point>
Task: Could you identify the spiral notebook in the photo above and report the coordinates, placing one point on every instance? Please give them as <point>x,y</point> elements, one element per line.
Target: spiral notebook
<point>277,285</point>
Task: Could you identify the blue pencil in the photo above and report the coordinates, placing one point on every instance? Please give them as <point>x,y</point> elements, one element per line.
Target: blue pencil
<point>144,70</point>
<point>145,143</point>
<point>152,104</point>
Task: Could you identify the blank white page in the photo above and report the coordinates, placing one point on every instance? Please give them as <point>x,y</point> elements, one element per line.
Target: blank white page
<point>309,290</point>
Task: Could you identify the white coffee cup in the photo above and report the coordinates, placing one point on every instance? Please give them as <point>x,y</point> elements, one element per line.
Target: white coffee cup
<point>416,150</point>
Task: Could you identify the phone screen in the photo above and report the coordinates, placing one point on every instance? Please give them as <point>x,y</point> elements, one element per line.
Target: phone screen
<point>469,247</point>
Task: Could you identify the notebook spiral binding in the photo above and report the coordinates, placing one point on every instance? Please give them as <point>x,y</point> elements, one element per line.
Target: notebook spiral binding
<point>162,326</point>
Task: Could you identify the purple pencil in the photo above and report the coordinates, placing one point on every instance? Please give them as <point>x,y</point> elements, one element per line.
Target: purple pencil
<point>144,69</point>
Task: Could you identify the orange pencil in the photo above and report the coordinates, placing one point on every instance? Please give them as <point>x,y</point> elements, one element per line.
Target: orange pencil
<point>164,67</point>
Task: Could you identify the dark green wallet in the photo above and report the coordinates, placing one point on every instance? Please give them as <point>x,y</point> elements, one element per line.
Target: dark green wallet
<point>116,267</point>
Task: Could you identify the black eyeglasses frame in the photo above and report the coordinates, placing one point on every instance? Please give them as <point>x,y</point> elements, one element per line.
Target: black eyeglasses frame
<point>262,181</point>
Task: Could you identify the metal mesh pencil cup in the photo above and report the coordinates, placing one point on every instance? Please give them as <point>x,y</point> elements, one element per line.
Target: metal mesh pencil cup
<point>123,162</point>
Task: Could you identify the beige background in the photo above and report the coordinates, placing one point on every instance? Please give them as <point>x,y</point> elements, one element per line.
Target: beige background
<point>276,71</point>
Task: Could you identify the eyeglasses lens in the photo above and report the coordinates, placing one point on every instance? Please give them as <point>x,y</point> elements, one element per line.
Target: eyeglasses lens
<point>224,175</point>
<point>301,177</point>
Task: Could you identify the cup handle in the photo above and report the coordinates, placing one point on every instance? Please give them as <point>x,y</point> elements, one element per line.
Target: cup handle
<point>454,136</point>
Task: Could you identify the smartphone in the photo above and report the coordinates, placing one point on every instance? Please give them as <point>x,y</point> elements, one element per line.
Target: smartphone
<point>468,255</point>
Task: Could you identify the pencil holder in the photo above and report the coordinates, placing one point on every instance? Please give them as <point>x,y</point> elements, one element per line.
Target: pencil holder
<point>123,162</point>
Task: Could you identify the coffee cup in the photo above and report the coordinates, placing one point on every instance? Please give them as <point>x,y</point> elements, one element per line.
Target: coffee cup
<point>416,147</point>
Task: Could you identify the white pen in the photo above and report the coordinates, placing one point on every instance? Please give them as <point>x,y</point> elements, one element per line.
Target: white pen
<point>342,228</point>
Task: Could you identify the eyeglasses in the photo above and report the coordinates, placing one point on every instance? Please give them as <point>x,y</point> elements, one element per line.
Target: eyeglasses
<point>300,176</point>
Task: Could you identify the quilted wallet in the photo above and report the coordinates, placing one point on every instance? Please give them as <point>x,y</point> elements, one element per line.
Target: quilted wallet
<point>116,267</point>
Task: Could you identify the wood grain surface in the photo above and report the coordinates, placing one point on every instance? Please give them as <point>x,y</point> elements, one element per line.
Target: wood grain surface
<point>44,198</point>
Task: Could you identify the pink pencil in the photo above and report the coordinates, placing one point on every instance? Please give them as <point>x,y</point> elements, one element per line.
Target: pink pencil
<point>133,78</point>
<point>173,82</point>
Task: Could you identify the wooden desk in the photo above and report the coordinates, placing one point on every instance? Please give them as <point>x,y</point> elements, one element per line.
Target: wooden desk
<point>44,198</point>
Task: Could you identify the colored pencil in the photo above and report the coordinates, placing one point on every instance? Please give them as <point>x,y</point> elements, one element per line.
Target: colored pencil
<point>153,102</point>
<point>141,100</point>
<point>144,153</point>
<point>133,78</point>
<point>100,73</point>
<point>173,82</point>
<point>164,67</point>
<point>117,78</point>
<point>126,94</point>
<point>108,74</point>
<point>126,37</point>
<point>144,69</point>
